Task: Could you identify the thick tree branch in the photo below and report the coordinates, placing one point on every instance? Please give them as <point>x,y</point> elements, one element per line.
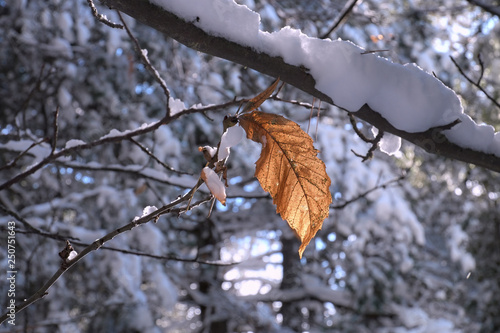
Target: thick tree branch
<point>492,9</point>
<point>188,34</point>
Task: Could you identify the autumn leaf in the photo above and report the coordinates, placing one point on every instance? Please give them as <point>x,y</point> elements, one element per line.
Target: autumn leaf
<point>289,169</point>
<point>255,102</point>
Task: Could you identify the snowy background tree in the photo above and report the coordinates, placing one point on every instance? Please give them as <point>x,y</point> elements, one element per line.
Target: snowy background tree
<point>100,124</point>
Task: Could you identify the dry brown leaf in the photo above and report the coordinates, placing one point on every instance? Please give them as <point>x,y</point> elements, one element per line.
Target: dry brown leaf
<point>290,171</point>
<point>257,101</point>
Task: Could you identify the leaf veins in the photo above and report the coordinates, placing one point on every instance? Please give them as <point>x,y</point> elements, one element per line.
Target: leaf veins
<point>289,169</point>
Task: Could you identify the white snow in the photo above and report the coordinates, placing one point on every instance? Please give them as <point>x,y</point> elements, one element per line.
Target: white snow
<point>478,137</point>
<point>217,17</point>
<point>73,143</point>
<point>389,143</point>
<point>210,150</point>
<point>231,137</point>
<point>176,105</point>
<point>411,99</point>
<point>214,184</point>
<point>457,240</point>
<point>148,210</point>
<point>114,132</point>
<point>72,255</point>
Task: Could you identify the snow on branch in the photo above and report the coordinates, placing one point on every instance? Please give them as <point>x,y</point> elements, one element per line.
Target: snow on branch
<point>402,100</point>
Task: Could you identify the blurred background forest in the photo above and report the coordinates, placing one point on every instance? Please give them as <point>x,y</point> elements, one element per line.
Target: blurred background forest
<point>411,244</point>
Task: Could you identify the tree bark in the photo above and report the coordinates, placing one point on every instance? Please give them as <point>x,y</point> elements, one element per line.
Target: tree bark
<point>188,34</point>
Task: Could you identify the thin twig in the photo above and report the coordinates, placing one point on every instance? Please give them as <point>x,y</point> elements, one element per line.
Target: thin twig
<point>169,257</point>
<point>356,129</point>
<point>349,6</point>
<point>482,68</point>
<point>102,18</point>
<point>294,102</point>
<point>18,157</point>
<point>32,229</point>
<point>317,122</point>
<point>310,115</point>
<point>474,83</point>
<point>32,92</point>
<point>364,194</point>
<point>280,88</point>
<point>154,216</point>
<point>75,241</point>
<point>374,146</point>
<point>146,150</point>
<point>110,139</point>
<point>56,131</point>
<point>143,54</point>
<point>120,168</point>
<point>374,51</point>
<point>66,151</point>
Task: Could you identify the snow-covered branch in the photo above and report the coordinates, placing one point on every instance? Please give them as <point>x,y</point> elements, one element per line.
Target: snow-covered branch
<point>149,214</point>
<point>283,54</point>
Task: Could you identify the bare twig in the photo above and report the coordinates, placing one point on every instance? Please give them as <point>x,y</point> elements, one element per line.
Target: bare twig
<point>169,257</point>
<point>373,141</point>
<point>143,54</point>
<point>102,18</point>
<point>75,241</point>
<point>55,155</point>
<point>35,88</point>
<point>356,129</point>
<point>279,88</point>
<point>56,131</point>
<point>146,150</point>
<point>481,64</point>
<point>294,102</point>
<point>349,6</point>
<point>476,84</point>
<point>310,115</point>
<point>30,228</point>
<point>364,194</point>
<point>13,163</point>
<point>108,139</point>
<point>204,109</point>
<point>154,216</point>
<point>374,51</point>
<point>317,122</point>
<point>374,146</point>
